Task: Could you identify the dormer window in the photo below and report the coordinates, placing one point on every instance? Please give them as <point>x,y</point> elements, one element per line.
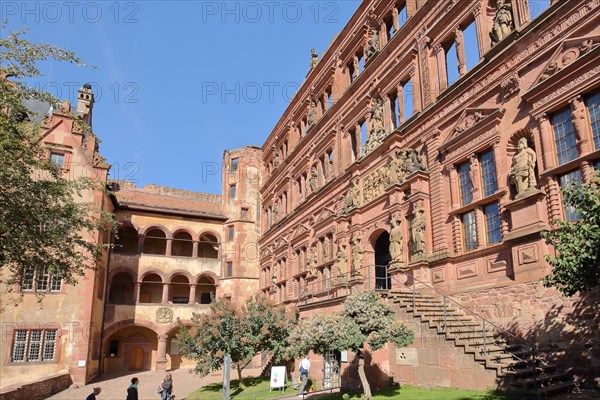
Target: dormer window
<point>58,159</point>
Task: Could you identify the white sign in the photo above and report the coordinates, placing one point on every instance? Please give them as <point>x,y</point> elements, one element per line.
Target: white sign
<point>81,363</point>
<point>344,356</point>
<point>278,377</point>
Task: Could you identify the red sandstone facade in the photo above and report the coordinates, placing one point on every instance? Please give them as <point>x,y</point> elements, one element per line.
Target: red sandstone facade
<point>349,157</point>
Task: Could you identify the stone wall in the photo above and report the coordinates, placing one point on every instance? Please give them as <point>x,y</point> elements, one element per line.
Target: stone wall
<point>38,390</point>
<point>565,329</point>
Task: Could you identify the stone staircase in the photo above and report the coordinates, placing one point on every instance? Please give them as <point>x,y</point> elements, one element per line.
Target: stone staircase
<point>515,367</point>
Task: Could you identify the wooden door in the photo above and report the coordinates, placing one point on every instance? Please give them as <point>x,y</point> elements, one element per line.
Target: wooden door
<point>136,359</point>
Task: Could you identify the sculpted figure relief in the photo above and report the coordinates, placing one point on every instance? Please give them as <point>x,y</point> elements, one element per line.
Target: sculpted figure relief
<point>341,260</point>
<point>312,117</point>
<point>373,47</point>
<point>396,242</point>
<point>411,162</point>
<point>314,179</point>
<point>503,21</point>
<point>357,257</point>
<point>276,159</point>
<point>418,231</point>
<point>314,58</point>
<point>377,131</point>
<point>274,276</point>
<point>276,212</point>
<point>312,263</point>
<point>522,171</point>
<point>352,199</point>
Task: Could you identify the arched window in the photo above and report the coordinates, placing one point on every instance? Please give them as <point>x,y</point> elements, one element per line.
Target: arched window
<point>151,289</point>
<point>182,245</point>
<point>205,290</point>
<point>179,290</point>
<point>208,247</point>
<point>127,240</point>
<point>155,242</point>
<point>121,289</point>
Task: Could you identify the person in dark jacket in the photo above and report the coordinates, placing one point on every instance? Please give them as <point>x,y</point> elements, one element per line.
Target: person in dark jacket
<point>167,387</point>
<point>96,392</point>
<point>132,392</point>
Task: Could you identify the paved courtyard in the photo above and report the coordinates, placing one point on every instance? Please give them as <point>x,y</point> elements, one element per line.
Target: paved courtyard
<point>115,387</point>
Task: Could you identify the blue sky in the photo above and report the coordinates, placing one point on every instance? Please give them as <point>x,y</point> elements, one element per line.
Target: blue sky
<point>180,81</point>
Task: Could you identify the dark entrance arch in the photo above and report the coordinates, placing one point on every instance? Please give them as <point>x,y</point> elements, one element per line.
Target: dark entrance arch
<point>382,260</point>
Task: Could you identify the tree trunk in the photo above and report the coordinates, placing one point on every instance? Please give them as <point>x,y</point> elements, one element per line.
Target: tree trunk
<point>239,371</point>
<point>363,376</point>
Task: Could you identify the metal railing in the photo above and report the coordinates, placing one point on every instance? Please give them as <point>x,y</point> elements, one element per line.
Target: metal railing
<point>377,277</point>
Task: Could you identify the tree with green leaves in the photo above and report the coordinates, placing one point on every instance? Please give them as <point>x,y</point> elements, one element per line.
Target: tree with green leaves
<point>365,319</point>
<point>242,332</point>
<point>44,224</point>
<point>576,265</point>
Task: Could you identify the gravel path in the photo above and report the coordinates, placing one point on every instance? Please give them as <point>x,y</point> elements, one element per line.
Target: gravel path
<point>115,387</point>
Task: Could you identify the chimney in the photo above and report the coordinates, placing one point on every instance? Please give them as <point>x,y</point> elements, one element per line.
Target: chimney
<point>85,103</point>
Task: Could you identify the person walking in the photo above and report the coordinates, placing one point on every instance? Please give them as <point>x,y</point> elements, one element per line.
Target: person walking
<point>304,369</point>
<point>167,387</point>
<point>132,390</point>
<point>96,392</point>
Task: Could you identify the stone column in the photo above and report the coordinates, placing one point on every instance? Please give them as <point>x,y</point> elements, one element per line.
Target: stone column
<point>192,294</point>
<point>481,227</point>
<point>483,26</point>
<point>416,90</point>
<point>136,292</point>
<point>161,356</point>
<point>547,141</point>
<point>454,195</point>
<point>460,52</point>
<point>169,246</point>
<point>140,244</point>
<point>587,171</point>
<point>395,20</point>
<point>440,55</point>
<point>400,101</point>
<point>581,125</point>
<point>195,249</point>
<point>165,293</point>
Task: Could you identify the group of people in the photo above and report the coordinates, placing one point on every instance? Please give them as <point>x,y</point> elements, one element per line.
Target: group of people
<point>165,389</point>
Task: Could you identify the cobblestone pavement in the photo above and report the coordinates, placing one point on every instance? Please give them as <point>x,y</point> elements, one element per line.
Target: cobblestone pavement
<point>115,387</point>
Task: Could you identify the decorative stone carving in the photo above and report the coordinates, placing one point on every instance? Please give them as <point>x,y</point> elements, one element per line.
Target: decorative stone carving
<point>418,232</point>
<point>314,179</point>
<point>411,162</point>
<point>276,212</point>
<point>522,171</point>
<point>550,70</point>
<point>377,131</point>
<point>373,46</point>
<point>503,21</point>
<point>396,237</point>
<point>314,58</point>
<point>164,315</point>
<point>312,262</point>
<point>569,51</point>
<point>511,86</point>
<point>65,107</point>
<point>276,159</point>
<point>98,160</point>
<point>341,260</point>
<point>395,174</point>
<point>352,198</point>
<point>468,121</point>
<point>274,276</point>
<point>312,117</point>
<point>357,257</point>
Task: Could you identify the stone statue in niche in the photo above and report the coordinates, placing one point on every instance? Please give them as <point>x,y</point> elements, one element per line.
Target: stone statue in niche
<point>314,58</point>
<point>396,242</point>
<point>341,260</point>
<point>352,198</point>
<point>314,179</point>
<point>522,171</point>
<point>418,232</point>
<point>276,213</point>
<point>395,173</point>
<point>312,118</point>
<point>312,263</point>
<point>503,21</point>
<point>377,131</point>
<point>357,257</point>
<point>274,276</point>
<point>276,159</point>
<point>373,46</point>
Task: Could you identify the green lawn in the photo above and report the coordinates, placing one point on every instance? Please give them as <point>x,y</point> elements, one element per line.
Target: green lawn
<point>258,388</point>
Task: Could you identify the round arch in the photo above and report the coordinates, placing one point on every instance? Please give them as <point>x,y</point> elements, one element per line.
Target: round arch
<point>144,230</point>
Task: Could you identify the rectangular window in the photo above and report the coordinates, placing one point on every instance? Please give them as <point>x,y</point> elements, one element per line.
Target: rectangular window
<point>58,159</point>
<point>407,92</point>
<point>492,221</point>
<point>34,345</point>
<point>573,177</point>
<point>27,281</point>
<point>451,64</point>
<point>245,213</point>
<point>230,232</point>
<point>564,135</point>
<point>229,269</point>
<point>466,185</point>
<point>593,105</point>
<point>402,15</point>
<point>113,348</point>
<point>488,173</point>
<point>41,281</point>
<point>234,164</point>
<point>469,231</point>
<point>471,46</point>
<point>55,284</point>
<point>232,191</point>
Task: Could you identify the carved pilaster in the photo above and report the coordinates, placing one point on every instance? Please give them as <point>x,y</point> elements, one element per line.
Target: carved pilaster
<point>460,52</point>
<point>580,124</point>
<point>442,76</point>
<point>547,140</point>
<point>423,46</point>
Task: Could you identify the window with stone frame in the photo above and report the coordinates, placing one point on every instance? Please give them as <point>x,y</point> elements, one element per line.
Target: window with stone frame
<point>234,164</point>
<point>57,159</point>
<point>232,191</point>
<point>230,232</point>
<point>489,181</point>
<point>228,269</point>
<point>41,281</point>
<point>592,102</point>
<point>564,135</point>
<point>469,228</point>
<point>465,183</point>
<point>34,345</point>
<point>245,213</point>
<point>326,276</point>
<point>572,177</point>
<point>492,223</point>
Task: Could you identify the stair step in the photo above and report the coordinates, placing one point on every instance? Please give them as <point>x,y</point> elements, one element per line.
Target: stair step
<point>546,369</point>
<point>555,388</point>
<point>540,379</point>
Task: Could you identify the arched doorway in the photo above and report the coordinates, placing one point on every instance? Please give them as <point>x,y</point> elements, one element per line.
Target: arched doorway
<point>136,359</point>
<point>382,261</point>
